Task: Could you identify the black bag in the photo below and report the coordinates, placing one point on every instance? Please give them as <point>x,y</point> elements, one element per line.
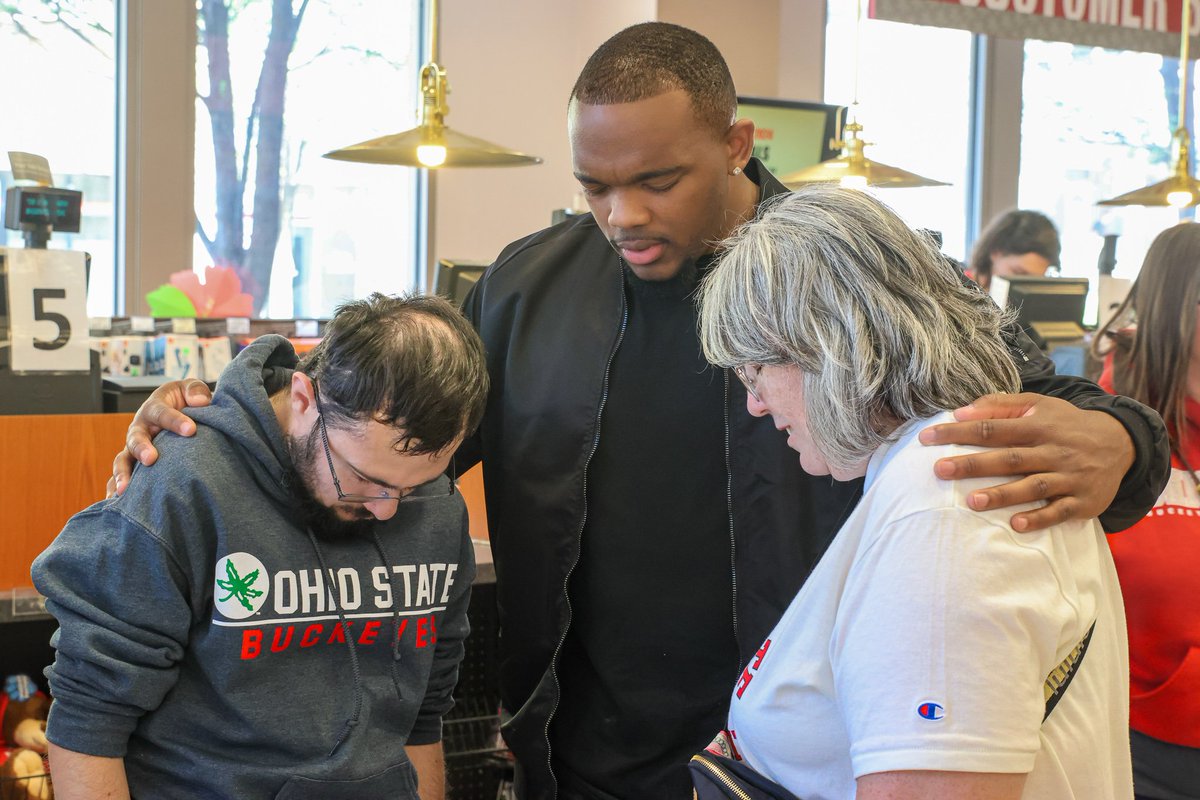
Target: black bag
<point>719,778</point>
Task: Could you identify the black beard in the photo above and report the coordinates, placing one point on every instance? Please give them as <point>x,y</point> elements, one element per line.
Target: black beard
<point>322,520</point>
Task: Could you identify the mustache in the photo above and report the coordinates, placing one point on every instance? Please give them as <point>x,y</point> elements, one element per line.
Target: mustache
<point>625,241</point>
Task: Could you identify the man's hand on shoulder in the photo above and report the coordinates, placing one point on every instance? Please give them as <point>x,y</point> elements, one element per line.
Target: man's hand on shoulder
<point>1072,458</point>
<point>161,411</point>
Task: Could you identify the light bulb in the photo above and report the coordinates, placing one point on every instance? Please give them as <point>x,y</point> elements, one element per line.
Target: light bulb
<point>854,182</point>
<point>1179,199</point>
<point>431,155</point>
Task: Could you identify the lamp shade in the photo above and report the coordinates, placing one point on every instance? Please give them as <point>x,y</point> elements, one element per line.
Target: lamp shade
<point>853,168</point>
<point>461,150</point>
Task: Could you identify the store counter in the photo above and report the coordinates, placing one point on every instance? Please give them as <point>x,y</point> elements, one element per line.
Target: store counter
<point>58,464</point>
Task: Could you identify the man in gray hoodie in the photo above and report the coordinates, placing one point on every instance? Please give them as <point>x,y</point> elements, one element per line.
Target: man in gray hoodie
<point>278,609</point>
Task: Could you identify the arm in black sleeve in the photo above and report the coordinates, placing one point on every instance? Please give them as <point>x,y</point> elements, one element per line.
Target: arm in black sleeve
<point>1151,468</point>
<point>470,452</point>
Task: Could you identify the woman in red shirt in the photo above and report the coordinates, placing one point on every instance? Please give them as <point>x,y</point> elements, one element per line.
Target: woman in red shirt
<point>1151,348</point>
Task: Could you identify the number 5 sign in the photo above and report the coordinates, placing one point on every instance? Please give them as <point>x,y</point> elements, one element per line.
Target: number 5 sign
<point>47,308</point>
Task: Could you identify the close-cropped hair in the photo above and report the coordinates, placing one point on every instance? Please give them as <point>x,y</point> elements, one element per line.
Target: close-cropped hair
<point>651,58</point>
<point>1151,360</point>
<point>410,362</point>
<point>881,325</point>
<point>1015,232</point>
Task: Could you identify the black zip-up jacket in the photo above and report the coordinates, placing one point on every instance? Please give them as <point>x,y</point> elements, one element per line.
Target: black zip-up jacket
<point>551,310</point>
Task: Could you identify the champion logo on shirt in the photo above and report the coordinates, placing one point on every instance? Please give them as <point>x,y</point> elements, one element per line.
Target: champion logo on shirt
<point>931,711</point>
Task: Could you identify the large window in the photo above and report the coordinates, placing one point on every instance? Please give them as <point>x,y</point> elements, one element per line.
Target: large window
<point>316,231</point>
<point>58,66</point>
<point>1095,124</point>
<point>914,91</point>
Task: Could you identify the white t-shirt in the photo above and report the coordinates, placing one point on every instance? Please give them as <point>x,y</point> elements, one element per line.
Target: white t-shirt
<point>923,639</point>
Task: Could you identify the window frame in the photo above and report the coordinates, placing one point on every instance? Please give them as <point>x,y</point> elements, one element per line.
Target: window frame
<point>156,124</point>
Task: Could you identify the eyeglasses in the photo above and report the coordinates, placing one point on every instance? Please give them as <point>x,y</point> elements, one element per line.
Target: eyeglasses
<point>426,491</point>
<point>748,374</point>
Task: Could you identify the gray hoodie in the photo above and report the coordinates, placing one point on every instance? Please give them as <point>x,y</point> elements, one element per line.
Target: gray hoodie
<point>209,639</point>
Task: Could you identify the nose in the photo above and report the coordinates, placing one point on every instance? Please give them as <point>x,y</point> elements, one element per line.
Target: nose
<point>626,210</point>
<point>382,510</point>
<point>757,408</point>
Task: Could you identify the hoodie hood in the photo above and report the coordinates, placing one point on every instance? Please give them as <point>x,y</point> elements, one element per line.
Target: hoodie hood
<point>241,409</point>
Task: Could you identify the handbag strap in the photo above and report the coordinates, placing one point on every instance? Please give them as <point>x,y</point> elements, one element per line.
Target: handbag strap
<point>1061,676</point>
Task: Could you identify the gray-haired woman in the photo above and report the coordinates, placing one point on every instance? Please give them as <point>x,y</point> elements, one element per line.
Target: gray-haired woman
<point>929,643</point>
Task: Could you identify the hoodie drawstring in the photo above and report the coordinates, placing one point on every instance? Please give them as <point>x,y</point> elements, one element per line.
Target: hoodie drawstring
<point>358,692</point>
<point>395,614</point>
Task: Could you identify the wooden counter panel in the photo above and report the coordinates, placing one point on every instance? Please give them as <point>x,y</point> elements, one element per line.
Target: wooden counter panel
<point>52,467</point>
<point>56,465</point>
<point>471,486</point>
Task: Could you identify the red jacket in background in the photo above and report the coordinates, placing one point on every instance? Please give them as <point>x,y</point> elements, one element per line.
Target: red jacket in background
<point>1158,563</point>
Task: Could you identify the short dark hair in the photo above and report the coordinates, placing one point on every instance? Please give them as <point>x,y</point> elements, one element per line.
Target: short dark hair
<point>412,362</point>
<point>1015,232</point>
<point>651,58</point>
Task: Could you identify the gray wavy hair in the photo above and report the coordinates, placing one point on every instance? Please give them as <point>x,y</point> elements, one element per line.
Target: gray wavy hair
<point>880,324</point>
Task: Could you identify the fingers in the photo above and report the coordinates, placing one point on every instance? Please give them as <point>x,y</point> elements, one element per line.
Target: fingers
<point>999,406</point>
<point>138,444</point>
<point>121,472</point>
<point>161,412</point>
<point>1052,487</point>
<point>997,435</point>
<point>161,415</point>
<point>196,393</point>
<point>1059,511</point>
<point>1029,489</point>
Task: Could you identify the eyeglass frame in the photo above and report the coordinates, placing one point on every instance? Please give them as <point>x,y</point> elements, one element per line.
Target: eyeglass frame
<point>411,497</point>
<point>747,381</point>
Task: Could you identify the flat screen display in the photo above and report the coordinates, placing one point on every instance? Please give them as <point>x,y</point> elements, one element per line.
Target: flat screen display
<point>791,134</point>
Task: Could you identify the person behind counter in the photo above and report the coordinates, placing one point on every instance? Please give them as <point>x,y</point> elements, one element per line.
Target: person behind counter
<point>1151,352</point>
<point>1015,243</point>
<point>279,607</point>
<point>610,447</point>
<point>918,659</point>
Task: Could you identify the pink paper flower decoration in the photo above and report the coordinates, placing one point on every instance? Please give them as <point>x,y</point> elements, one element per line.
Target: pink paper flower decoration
<point>220,295</point>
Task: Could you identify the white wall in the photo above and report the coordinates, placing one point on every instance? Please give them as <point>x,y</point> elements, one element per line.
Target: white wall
<point>511,73</point>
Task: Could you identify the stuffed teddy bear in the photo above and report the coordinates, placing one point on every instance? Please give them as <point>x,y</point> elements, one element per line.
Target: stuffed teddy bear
<point>23,769</point>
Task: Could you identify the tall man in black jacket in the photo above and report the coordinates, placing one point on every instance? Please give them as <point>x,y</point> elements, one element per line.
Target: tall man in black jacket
<point>647,531</point>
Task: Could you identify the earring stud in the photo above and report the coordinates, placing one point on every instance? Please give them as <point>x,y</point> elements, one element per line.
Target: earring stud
<point>735,171</point>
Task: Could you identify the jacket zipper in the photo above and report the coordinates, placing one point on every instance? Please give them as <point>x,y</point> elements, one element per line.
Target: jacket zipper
<point>721,777</point>
<point>583,523</point>
<point>729,510</point>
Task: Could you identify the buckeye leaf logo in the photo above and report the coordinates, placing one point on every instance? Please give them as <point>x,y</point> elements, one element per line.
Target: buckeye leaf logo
<point>241,585</point>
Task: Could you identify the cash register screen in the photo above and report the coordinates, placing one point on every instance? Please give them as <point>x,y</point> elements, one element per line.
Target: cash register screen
<point>3,299</point>
<point>1051,306</point>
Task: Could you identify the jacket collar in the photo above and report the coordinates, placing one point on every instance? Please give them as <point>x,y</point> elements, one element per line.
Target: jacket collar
<point>768,185</point>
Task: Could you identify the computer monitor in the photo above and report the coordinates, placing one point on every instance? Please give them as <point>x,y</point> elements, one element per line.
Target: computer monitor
<point>454,279</point>
<point>1052,307</point>
<point>791,134</point>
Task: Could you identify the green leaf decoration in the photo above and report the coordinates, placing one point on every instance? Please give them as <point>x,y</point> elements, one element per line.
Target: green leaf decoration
<point>169,301</point>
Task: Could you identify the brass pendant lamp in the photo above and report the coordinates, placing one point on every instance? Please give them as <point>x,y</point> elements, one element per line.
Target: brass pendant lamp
<point>852,168</point>
<point>1181,190</point>
<point>432,143</point>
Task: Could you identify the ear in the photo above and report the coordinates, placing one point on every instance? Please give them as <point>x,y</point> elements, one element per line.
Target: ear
<point>303,399</point>
<point>740,142</point>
